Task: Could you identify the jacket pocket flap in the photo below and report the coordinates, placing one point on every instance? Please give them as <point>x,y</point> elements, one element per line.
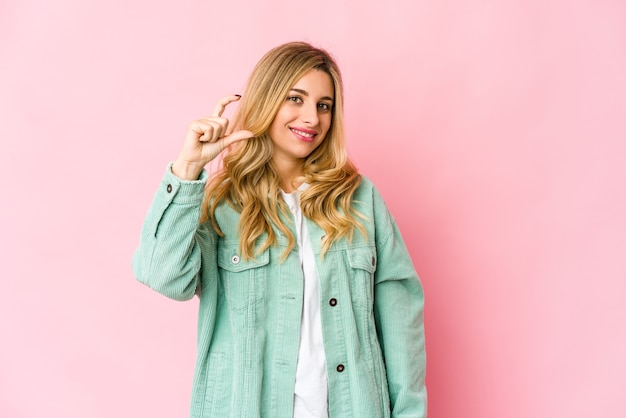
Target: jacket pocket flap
<point>362,258</point>
<point>228,258</point>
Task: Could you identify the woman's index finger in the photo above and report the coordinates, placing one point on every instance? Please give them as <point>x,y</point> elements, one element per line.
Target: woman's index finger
<point>222,103</point>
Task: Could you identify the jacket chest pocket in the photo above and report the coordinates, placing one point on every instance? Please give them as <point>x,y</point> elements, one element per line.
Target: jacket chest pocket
<point>244,281</point>
<point>362,261</point>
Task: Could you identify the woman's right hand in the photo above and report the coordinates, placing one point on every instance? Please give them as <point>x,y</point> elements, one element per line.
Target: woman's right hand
<point>206,138</point>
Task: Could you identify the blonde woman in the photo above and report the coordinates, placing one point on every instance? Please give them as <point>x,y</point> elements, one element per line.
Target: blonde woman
<point>309,302</point>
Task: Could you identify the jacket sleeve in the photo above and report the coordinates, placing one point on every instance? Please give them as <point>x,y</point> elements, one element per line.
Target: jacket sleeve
<point>398,311</point>
<point>168,258</point>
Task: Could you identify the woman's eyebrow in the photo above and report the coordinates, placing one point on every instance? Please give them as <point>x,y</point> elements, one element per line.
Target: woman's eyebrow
<point>305,93</point>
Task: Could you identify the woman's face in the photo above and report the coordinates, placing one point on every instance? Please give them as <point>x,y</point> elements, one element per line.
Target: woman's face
<point>303,120</point>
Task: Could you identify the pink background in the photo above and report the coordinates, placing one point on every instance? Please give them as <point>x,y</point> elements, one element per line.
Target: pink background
<point>495,130</point>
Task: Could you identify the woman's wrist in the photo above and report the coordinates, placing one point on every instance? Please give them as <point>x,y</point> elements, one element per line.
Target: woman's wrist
<point>186,171</point>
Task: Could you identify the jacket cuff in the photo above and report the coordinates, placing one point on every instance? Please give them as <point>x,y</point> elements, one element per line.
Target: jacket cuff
<point>176,190</point>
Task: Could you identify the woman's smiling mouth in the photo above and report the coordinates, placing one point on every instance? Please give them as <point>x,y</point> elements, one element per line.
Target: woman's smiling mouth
<point>304,134</point>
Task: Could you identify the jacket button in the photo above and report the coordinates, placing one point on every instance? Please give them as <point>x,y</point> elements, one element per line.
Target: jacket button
<point>169,188</point>
<point>332,302</point>
<point>340,368</point>
<point>234,259</point>
<point>373,261</point>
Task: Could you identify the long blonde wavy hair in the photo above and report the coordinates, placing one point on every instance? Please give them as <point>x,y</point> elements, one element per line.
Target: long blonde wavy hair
<point>249,182</point>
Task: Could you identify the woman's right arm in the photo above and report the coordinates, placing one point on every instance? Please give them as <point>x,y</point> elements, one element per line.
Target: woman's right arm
<point>168,258</point>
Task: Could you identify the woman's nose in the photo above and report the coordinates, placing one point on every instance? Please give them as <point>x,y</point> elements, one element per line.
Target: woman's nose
<point>309,114</point>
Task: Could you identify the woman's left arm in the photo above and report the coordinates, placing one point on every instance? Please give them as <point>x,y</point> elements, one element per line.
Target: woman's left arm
<point>398,311</point>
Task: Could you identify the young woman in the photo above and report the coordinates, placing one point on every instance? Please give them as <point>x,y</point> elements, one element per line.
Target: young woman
<point>309,302</point>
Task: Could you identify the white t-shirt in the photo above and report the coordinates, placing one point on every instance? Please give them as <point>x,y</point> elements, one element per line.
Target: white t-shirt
<point>311,390</point>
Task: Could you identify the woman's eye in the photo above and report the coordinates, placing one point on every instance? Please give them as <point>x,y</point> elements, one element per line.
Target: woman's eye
<point>294,99</point>
<point>324,107</point>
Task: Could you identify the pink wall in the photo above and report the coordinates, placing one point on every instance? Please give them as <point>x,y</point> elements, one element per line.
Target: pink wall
<point>495,130</point>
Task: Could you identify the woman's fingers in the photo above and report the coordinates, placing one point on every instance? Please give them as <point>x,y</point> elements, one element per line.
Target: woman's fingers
<point>222,103</point>
<point>236,136</point>
<point>211,129</point>
<point>209,136</point>
<point>214,127</point>
<point>213,150</point>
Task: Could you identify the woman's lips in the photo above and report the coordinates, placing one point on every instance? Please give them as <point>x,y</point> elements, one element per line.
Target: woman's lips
<point>306,135</point>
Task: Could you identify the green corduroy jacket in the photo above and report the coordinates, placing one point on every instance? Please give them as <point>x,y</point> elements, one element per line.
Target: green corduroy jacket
<point>250,310</point>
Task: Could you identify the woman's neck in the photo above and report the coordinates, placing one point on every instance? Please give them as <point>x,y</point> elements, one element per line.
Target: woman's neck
<point>288,171</point>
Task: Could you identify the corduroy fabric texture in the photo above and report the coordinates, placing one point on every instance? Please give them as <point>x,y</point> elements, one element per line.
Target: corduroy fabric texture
<point>250,310</point>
